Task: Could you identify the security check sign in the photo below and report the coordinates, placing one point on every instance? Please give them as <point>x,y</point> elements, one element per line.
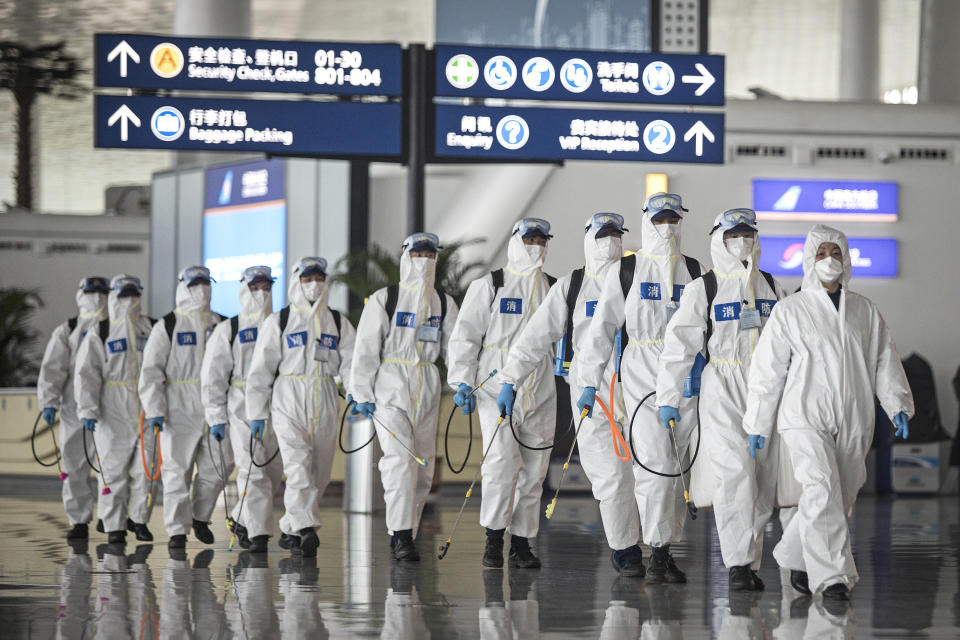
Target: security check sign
<point>137,61</point>
<point>577,134</point>
<point>584,76</point>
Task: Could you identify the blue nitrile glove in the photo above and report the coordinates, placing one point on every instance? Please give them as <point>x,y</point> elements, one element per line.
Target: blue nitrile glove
<point>349,399</point>
<point>756,443</point>
<point>669,413</point>
<point>505,399</point>
<point>587,399</point>
<point>156,423</point>
<point>364,408</point>
<point>464,398</point>
<point>901,420</point>
<point>50,415</point>
<point>89,424</point>
<point>257,427</point>
<point>218,431</point>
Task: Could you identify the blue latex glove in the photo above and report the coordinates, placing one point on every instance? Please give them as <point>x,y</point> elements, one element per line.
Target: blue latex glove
<point>218,431</point>
<point>364,408</point>
<point>349,399</point>
<point>50,415</point>
<point>505,399</point>
<point>901,420</point>
<point>669,413</point>
<point>89,424</point>
<point>257,427</point>
<point>587,399</point>
<point>156,423</point>
<point>464,398</point>
<point>756,443</point>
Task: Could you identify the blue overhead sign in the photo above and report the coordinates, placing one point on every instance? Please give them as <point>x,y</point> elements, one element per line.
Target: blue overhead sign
<point>584,76</point>
<point>827,200</point>
<point>217,64</point>
<point>869,257</point>
<point>577,134</point>
<point>275,126</point>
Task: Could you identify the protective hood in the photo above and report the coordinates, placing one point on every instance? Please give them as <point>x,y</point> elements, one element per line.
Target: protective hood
<point>819,234</point>
<point>187,302</point>
<point>91,305</point>
<point>655,242</point>
<point>298,298</point>
<point>724,261</point>
<point>417,272</point>
<point>523,258</point>
<point>250,308</point>
<point>123,308</point>
<point>599,254</point>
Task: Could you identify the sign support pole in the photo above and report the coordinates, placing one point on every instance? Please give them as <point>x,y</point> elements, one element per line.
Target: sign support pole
<point>359,226</point>
<point>415,89</point>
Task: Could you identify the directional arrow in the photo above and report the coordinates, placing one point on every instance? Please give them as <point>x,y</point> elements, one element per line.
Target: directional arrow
<point>126,115</point>
<point>701,131</point>
<point>705,79</point>
<point>124,50</point>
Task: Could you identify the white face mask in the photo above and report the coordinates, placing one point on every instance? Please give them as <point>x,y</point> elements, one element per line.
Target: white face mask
<point>829,269</point>
<point>609,248</point>
<point>535,252</point>
<point>260,297</point>
<point>312,290</point>
<point>668,230</point>
<point>740,248</point>
<point>200,294</point>
<point>92,302</point>
<point>125,306</point>
<point>422,267</point>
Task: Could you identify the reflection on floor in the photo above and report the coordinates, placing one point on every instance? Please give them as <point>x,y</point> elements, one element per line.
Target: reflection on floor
<point>907,553</point>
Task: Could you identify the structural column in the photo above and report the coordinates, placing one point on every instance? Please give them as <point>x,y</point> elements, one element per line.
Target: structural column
<point>938,76</point>
<point>860,50</point>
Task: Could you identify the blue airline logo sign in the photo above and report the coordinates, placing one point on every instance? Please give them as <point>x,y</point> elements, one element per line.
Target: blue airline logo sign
<point>869,257</point>
<point>826,200</point>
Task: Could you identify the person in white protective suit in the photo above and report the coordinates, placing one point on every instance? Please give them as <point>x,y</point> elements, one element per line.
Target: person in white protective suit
<point>55,390</point>
<point>721,316</point>
<point>299,352</point>
<point>822,357</point>
<point>226,365</point>
<point>495,310</point>
<point>170,394</point>
<point>643,293</point>
<point>404,328</point>
<point>105,384</point>
<point>573,299</point>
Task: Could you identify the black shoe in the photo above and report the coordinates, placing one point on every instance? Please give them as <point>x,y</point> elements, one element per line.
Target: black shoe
<point>628,562</point>
<point>100,528</point>
<point>838,592</point>
<point>203,559</point>
<point>521,556</point>
<point>117,537</point>
<point>240,532</point>
<point>493,550</point>
<point>743,578</point>
<point>178,542</point>
<point>309,543</point>
<point>79,532</point>
<point>202,531</point>
<point>258,544</point>
<point>493,588</point>
<point>404,548</point>
<point>140,530</point>
<point>800,581</point>
<point>663,568</point>
<point>289,542</point>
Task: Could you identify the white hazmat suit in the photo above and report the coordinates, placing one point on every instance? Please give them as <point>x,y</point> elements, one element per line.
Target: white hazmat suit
<point>814,375</point>
<point>395,370</point>
<point>610,477</point>
<point>226,365</point>
<point>107,374</point>
<point>487,326</point>
<point>287,384</point>
<point>170,388</point>
<point>55,389</point>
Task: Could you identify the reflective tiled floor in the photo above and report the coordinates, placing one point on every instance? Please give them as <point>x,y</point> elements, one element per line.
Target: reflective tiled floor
<point>907,552</point>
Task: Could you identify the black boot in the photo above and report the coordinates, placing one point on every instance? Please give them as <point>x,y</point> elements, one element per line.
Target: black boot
<point>405,549</point>
<point>800,581</point>
<point>521,556</point>
<point>743,578</point>
<point>629,562</point>
<point>78,532</point>
<point>289,542</point>
<point>178,542</point>
<point>117,537</point>
<point>258,544</point>
<point>663,568</point>
<point>309,543</point>
<point>202,531</point>
<point>140,530</point>
<point>837,591</point>
<point>493,550</point>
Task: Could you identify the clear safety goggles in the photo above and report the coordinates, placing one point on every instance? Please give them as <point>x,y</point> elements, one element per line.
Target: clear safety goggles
<point>604,224</point>
<point>196,275</point>
<point>95,284</point>
<point>733,218</point>
<point>421,242</point>
<point>126,286</point>
<point>258,274</point>
<point>664,204</point>
<point>311,266</point>
<point>532,227</point>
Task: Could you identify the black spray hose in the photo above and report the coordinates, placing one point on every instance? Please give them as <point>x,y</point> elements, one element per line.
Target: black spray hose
<point>343,419</point>
<point>524,445</point>
<point>33,444</point>
<point>254,460</point>
<point>86,454</point>
<point>446,440</point>
<point>634,451</point>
